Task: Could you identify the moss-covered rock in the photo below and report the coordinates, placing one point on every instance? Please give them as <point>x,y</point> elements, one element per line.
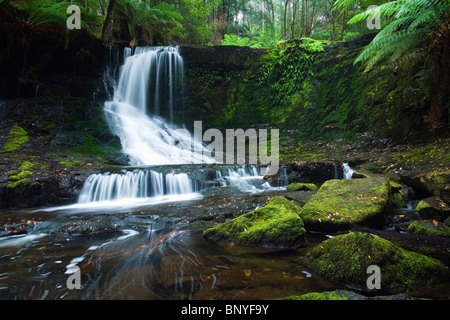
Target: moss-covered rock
<point>347,295</point>
<point>276,225</point>
<point>429,227</point>
<point>433,208</point>
<point>341,203</point>
<point>436,180</point>
<point>302,187</point>
<point>328,295</point>
<point>346,258</point>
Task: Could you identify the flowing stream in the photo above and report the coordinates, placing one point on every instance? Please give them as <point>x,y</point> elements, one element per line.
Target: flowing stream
<point>137,233</point>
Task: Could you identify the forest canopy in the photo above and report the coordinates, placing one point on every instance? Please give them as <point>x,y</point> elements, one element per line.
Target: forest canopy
<point>154,22</point>
<point>406,29</point>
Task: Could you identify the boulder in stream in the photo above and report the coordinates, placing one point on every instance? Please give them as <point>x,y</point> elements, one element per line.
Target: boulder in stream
<point>339,204</point>
<point>275,225</point>
<point>433,208</point>
<point>345,259</point>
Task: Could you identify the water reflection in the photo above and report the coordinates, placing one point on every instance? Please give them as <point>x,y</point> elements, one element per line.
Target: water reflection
<point>149,258</point>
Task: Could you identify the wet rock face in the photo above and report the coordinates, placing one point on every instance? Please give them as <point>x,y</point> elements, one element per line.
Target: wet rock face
<point>41,189</point>
<point>314,171</point>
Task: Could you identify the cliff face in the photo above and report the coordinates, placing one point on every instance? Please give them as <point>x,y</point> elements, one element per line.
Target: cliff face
<point>311,89</point>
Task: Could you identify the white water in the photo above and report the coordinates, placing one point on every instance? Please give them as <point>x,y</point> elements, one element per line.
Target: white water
<point>149,81</point>
<point>134,185</point>
<point>247,179</point>
<point>348,172</point>
<point>149,85</point>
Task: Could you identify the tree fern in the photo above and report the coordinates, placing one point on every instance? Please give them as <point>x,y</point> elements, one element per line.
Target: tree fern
<point>412,24</point>
<point>413,27</point>
<point>161,17</point>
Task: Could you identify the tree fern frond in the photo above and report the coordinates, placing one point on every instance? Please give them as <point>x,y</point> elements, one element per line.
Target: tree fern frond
<point>386,10</point>
<point>347,4</point>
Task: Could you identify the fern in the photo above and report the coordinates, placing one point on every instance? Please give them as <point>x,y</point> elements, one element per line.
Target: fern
<point>162,16</point>
<point>411,24</point>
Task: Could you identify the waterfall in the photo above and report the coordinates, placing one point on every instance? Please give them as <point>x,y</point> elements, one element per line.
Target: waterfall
<point>150,82</point>
<point>284,178</point>
<point>149,87</point>
<point>138,184</point>
<point>348,172</point>
<point>247,179</point>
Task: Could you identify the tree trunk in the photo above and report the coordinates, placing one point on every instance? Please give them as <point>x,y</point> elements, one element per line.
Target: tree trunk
<point>107,20</point>
<point>439,57</point>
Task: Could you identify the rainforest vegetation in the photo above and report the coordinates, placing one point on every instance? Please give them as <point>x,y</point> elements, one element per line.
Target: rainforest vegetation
<point>359,86</point>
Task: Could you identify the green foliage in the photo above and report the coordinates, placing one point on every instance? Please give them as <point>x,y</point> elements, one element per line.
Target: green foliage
<point>161,18</point>
<point>286,74</point>
<point>34,14</point>
<point>413,24</point>
<point>234,40</point>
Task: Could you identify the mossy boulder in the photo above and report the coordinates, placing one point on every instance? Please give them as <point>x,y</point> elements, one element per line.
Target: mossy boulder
<point>429,227</point>
<point>340,294</point>
<point>276,225</point>
<point>433,208</point>
<point>345,259</point>
<point>302,187</point>
<point>328,295</point>
<point>437,180</point>
<point>340,204</point>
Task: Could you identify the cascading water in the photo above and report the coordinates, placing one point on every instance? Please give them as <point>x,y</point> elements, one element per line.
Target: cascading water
<point>149,86</point>
<point>150,81</point>
<point>348,172</point>
<point>136,184</point>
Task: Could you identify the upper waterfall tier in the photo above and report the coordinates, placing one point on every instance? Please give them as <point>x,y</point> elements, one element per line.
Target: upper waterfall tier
<point>151,80</point>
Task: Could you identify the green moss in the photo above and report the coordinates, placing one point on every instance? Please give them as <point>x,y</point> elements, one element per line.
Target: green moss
<point>20,181</point>
<point>71,164</point>
<point>345,259</point>
<point>48,124</point>
<point>433,208</point>
<point>398,200</point>
<point>429,227</point>
<point>420,155</point>
<point>329,295</point>
<point>341,203</point>
<point>302,187</point>
<point>436,180</point>
<point>16,138</point>
<point>277,224</point>
<point>27,165</point>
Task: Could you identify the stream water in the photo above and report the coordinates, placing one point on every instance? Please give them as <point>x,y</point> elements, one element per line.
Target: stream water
<point>130,235</point>
<point>137,233</point>
<point>152,253</point>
